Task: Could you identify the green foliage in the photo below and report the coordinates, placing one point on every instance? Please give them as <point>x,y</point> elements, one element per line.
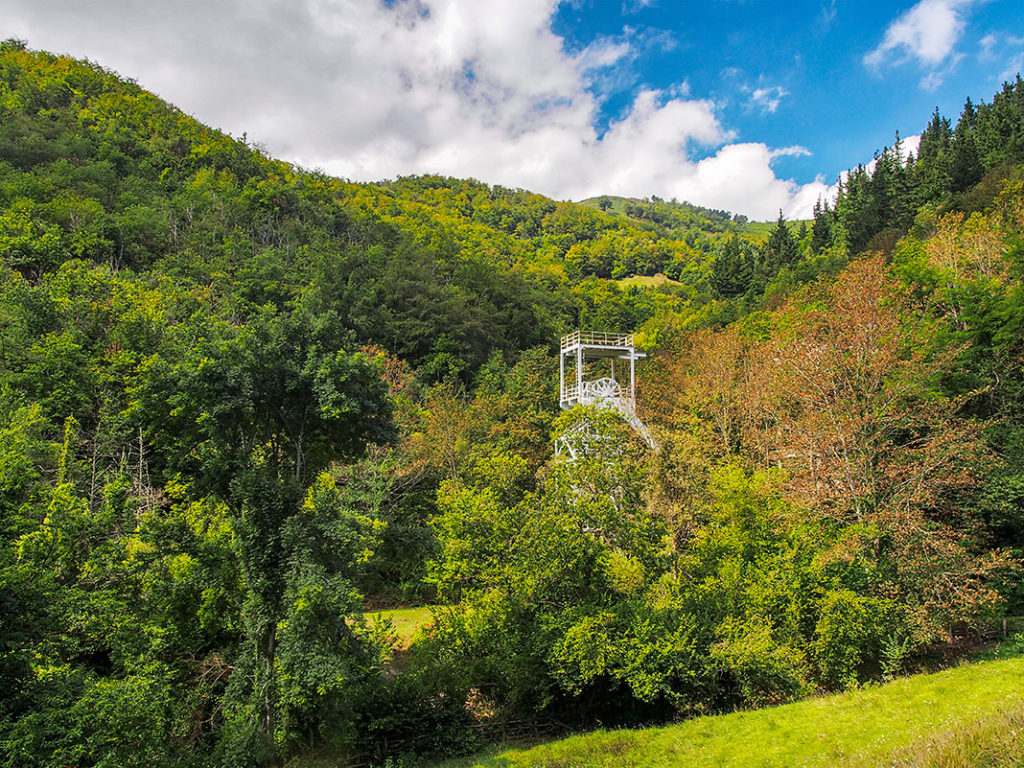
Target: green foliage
<point>236,398</point>
<point>764,670</point>
<point>570,592</point>
<point>322,660</point>
<point>956,168</point>
<point>537,571</point>
<point>732,270</point>
<point>852,628</point>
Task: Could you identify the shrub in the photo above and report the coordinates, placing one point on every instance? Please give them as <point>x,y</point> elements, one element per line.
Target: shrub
<point>849,632</point>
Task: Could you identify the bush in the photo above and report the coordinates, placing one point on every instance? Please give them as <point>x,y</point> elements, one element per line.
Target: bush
<point>850,631</point>
<point>764,670</point>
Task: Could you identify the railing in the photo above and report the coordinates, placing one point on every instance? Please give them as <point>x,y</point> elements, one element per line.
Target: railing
<point>597,339</point>
<point>593,391</point>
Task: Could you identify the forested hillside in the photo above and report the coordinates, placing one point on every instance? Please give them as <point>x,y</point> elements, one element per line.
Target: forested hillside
<point>242,403</point>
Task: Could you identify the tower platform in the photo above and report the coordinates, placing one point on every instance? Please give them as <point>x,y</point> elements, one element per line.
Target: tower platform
<point>599,368</point>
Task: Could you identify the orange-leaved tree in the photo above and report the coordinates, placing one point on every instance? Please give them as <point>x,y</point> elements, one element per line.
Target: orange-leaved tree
<point>841,389</point>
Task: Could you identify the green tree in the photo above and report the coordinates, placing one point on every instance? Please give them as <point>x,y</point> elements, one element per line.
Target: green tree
<point>255,416</point>
<point>732,270</point>
<point>821,229</point>
<point>779,250</point>
<point>548,580</point>
<point>965,169</point>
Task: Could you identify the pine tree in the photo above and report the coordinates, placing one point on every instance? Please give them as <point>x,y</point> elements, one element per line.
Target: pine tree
<point>821,229</point>
<point>965,162</point>
<point>933,159</point>
<point>731,271</point>
<point>856,211</point>
<point>999,127</point>
<point>779,250</point>
<point>906,192</point>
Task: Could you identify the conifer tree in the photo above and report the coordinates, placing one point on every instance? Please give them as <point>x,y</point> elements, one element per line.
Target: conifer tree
<point>780,249</point>
<point>731,271</point>
<point>965,163</point>
<point>933,157</point>
<point>821,229</point>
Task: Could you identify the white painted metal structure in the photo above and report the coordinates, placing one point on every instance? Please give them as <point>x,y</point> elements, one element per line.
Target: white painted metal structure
<point>588,375</point>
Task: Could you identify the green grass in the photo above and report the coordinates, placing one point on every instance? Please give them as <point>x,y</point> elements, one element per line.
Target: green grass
<point>996,741</point>
<point>646,281</point>
<point>972,714</point>
<point>761,229</point>
<point>406,621</point>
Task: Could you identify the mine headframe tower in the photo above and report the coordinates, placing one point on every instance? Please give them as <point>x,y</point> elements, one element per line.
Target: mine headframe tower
<point>599,368</point>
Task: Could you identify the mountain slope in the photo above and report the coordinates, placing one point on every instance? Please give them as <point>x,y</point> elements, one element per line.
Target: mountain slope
<point>240,401</point>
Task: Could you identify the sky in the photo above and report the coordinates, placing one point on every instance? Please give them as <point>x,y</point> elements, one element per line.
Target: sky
<point>752,106</point>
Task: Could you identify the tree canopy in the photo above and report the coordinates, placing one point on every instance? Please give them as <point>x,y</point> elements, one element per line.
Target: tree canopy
<point>243,404</point>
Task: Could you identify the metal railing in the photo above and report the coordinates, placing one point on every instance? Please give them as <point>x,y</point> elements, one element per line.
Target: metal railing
<point>591,393</point>
<point>596,339</point>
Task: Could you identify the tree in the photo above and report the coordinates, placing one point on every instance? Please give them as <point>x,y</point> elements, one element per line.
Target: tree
<point>731,270</point>
<point>965,169</point>
<point>933,160</point>
<point>842,389</point>
<point>844,398</point>
<point>779,250</point>
<point>255,415</point>
<point>821,229</point>
<point>546,579</point>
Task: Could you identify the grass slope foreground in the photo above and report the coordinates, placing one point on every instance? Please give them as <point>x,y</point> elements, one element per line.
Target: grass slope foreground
<point>969,716</point>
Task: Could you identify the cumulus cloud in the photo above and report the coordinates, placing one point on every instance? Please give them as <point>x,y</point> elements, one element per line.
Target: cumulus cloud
<point>927,33</point>
<point>371,90</point>
<point>739,172</point>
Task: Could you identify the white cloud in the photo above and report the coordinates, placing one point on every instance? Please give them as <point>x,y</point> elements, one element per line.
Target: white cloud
<point>603,53</point>
<point>368,90</point>
<point>739,177</point>
<point>828,12</point>
<point>909,145</point>
<point>635,6</point>
<point>1014,67</point>
<point>768,99</point>
<point>932,81</point>
<point>1002,50</point>
<point>987,45</point>
<point>928,32</point>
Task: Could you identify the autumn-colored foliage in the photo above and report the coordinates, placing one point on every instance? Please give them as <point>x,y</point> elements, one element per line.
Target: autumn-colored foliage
<point>840,389</point>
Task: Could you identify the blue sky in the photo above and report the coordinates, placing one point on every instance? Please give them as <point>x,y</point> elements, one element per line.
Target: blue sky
<point>795,73</point>
<point>747,105</point>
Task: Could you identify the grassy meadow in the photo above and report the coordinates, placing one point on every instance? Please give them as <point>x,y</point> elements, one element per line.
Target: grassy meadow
<point>971,715</point>
<point>405,621</point>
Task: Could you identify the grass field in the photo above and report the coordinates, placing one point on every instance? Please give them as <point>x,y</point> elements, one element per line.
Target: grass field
<point>972,715</point>
<point>646,281</point>
<point>406,622</point>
